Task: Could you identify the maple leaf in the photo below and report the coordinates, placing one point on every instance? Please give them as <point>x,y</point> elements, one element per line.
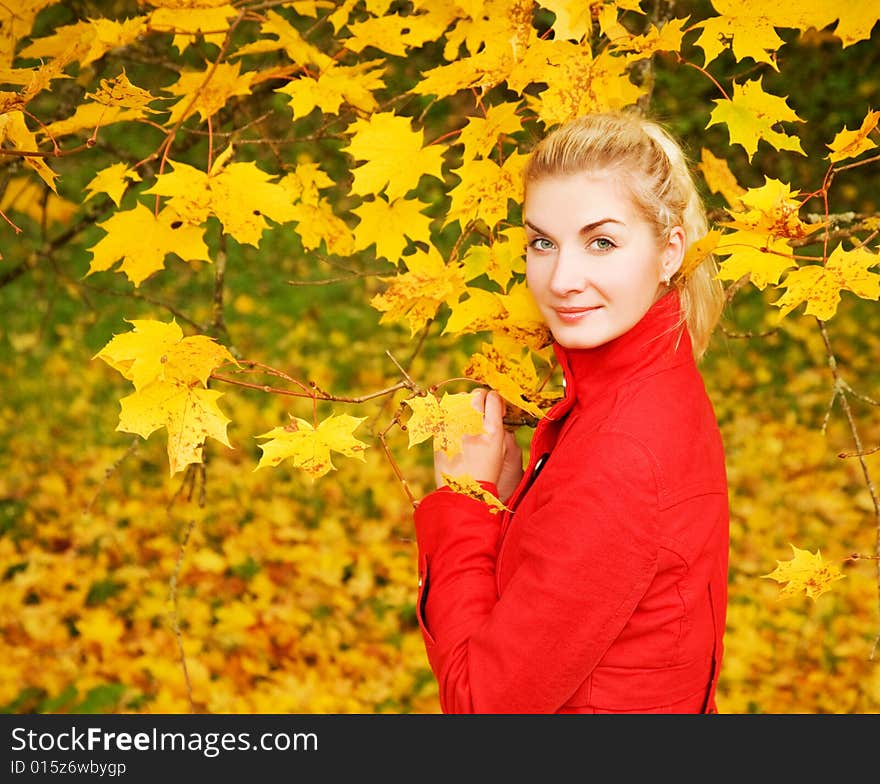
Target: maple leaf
<point>394,155</point>
<point>750,116</point>
<point>480,311</point>
<point>318,223</point>
<point>467,485</point>
<point>191,19</point>
<point>820,285</point>
<point>667,38</point>
<point>287,38</point>
<point>170,374</point>
<point>119,91</point>
<point>499,261</point>
<point>416,294</point>
<point>394,34</point>
<point>88,116</point>
<point>334,86</point>
<point>762,258</point>
<point>772,210</point>
<point>112,180</point>
<point>573,18</point>
<point>447,421</point>
<point>502,366</point>
<point>577,83</point>
<point>16,21</point>
<point>377,215</point>
<point>524,323</point>
<point>188,413</point>
<point>86,41</point>
<point>481,135</point>
<point>157,350</point>
<point>142,240</point>
<point>484,191</point>
<point>206,92</point>
<point>805,571</point>
<point>14,131</point>
<point>698,251</point>
<point>747,28</point>
<point>719,177</point>
<point>850,144</point>
<point>309,447</point>
<point>220,192</point>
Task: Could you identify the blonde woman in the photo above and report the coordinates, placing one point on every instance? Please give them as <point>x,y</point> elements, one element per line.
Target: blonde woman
<point>604,588</point>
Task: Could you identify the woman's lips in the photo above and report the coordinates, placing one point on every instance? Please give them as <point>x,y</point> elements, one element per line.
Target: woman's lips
<point>573,315</point>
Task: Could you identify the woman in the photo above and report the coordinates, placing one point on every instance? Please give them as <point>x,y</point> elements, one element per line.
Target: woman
<point>604,588</point>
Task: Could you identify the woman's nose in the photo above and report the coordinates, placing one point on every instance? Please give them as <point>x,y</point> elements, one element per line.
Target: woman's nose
<point>569,274</point>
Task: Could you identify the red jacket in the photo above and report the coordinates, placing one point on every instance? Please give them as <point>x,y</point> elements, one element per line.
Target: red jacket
<point>605,590</point>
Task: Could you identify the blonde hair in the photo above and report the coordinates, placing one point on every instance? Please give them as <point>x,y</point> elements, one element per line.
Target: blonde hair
<point>653,167</point>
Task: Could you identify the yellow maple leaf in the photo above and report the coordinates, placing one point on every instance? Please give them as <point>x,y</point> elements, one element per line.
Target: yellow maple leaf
<point>157,350</point>
<point>850,144</point>
<point>447,421</point>
<point>577,83</point>
<point>481,134</point>
<point>467,485</point>
<point>14,131</point>
<point>499,261</point>
<point>206,92</point>
<point>288,39</point>
<point>752,114</point>
<point>394,34</point>
<point>119,91</point>
<point>191,19</point>
<point>746,28</point>
<point>86,41</point>
<point>305,182</point>
<point>667,38</point>
<point>506,368</point>
<point>415,295</point>
<point>318,223</point>
<point>337,84</point>
<point>761,257</point>
<point>772,209</point>
<point>377,215</point>
<point>394,155</point>
<point>309,447</point>
<point>805,571</point>
<point>573,18</point>
<point>112,180</point>
<point>239,194</point>
<point>698,251</point>
<point>157,236</point>
<point>719,177</point>
<point>479,311</point>
<point>170,374</point>
<point>820,285</point>
<point>16,22</point>
<point>485,190</point>
<point>88,116</point>
<point>190,414</point>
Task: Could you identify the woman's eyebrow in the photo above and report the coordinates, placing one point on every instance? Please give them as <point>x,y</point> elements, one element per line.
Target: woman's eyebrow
<point>584,229</point>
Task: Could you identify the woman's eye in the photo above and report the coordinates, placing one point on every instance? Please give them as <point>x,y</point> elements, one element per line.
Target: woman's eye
<point>541,243</point>
<point>602,243</point>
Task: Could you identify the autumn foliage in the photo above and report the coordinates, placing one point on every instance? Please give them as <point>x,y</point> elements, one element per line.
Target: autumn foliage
<point>249,235</point>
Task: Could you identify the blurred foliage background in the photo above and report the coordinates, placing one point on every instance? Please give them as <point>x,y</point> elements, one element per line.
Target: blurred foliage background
<point>295,596</point>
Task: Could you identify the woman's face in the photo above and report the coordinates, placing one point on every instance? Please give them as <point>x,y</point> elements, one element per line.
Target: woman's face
<point>593,264</point>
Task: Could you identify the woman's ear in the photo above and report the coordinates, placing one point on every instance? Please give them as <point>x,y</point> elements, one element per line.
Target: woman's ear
<point>672,254</point>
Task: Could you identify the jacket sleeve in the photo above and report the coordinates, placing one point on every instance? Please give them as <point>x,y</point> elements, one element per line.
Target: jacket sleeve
<point>587,554</point>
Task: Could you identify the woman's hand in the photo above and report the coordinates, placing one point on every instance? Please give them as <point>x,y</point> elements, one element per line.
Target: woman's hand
<point>493,456</point>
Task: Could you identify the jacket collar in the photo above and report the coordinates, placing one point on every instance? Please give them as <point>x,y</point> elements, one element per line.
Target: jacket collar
<point>660,339</point>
